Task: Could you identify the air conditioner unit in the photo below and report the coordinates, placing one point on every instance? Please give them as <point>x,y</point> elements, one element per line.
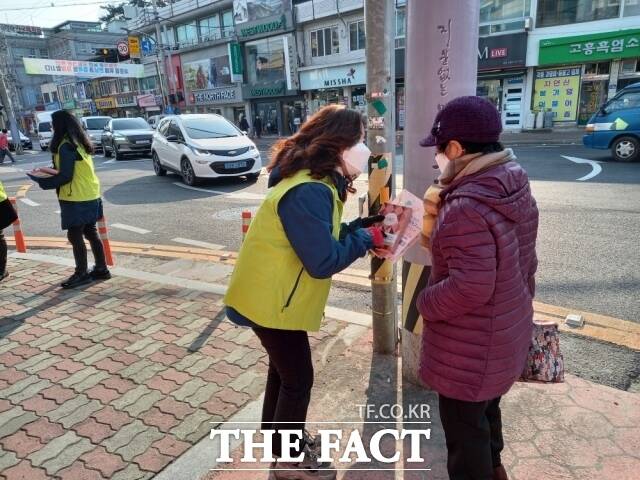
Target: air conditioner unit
<point>528,24</point>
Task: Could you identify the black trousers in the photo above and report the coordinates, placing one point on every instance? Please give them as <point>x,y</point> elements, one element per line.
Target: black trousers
<point>75,236</point>
<point>289,380</point>
<point>473,432</point>
<point>3,254</point>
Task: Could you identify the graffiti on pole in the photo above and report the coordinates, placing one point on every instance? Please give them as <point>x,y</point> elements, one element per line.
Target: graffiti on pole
<point>444,72</point>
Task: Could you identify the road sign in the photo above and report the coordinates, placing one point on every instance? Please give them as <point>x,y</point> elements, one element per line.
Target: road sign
<point>123,48</point>
<point>134,47</point>
<point>146,46</point>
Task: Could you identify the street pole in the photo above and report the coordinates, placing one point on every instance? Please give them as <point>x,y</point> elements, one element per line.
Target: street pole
<point>379,18</point>
<point>160,54</point>
<point>442,64</point>
<point>8,106</point>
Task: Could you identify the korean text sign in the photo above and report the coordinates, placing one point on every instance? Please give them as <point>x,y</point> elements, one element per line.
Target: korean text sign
<point>589,48</point>
<point>557,90</point>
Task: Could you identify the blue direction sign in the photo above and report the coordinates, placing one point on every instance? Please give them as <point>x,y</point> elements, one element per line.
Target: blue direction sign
<point>147,46</point>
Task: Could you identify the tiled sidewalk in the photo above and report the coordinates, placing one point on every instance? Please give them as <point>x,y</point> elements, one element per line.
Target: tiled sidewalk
<point>117,380</point>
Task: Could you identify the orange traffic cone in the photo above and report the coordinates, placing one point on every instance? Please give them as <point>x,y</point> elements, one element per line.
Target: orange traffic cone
<point>21,245</point>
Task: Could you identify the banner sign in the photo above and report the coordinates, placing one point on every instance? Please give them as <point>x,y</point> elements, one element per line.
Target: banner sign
<point>148,100</point>
<point>235,61</point>
<point>217,96</point>
<point>105,103</point>
<point>332,77</point>
<point>590,48</point>
<point>557,90</point>
<point>73,68</point>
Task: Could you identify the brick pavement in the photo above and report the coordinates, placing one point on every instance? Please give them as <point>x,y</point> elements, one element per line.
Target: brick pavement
<point>116,380</point>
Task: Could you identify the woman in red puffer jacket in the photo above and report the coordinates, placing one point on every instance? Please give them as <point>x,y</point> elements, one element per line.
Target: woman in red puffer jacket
<point>478,305</point>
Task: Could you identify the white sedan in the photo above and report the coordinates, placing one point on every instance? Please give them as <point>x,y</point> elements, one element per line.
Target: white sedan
<point>199,146</point>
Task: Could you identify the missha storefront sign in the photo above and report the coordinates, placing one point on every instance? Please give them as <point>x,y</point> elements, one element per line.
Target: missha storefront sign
<point>217,96</point>
<point>333,77</point>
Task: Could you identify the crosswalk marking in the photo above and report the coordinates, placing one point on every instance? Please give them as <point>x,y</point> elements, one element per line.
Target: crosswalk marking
<point>29,202</point>
<point>130,228</point>
<point>198,243</point>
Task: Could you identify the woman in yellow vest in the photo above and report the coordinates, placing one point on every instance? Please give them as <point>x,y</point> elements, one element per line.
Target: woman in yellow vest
<point>7,217</point>
<point>78,191</point>
<point>296,242</point>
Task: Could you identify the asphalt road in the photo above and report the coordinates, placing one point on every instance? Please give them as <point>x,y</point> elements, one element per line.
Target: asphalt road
<point>587,243</point>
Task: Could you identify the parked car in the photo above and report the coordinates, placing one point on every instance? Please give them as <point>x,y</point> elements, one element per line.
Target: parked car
<point>27,144</point>
<point>198,146</point>
<point>94,126</point>
<point>616,126</point>
<point>154,119</point>
<point>126,136</point>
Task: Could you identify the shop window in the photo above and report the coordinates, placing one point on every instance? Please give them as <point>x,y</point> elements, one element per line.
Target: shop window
<point>186,34</point>
<point>630,66</point>
<point>401,27</point>
<point>631,8</point>
<point>46,97</point>
<point>357,38</point>
<point>500,10</point>
<point>265,60</point>
<point>210,28</point>
<point>601,68</point>
<point>325,42</point>
<point>227,24</point>
<point>564,12</point>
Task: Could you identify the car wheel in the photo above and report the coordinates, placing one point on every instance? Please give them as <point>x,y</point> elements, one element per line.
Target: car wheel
<point>44,149</point>
<point>626,149</point>
<point>107,153</point>
<point>119,156</point>
<point>253,177</point>
<point>157,166</point>
<point>188,175</point>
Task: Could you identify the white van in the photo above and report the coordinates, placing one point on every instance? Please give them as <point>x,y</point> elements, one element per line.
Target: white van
<point>44,129</point>
<point>94,126</point>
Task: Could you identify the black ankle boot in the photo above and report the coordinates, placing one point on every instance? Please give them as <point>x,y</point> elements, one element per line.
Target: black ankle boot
<point>77,280</point>
<point>100,273</point>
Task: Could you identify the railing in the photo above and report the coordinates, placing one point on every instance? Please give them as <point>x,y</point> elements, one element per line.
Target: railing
<point>145,16</point>
<point>313,9</point>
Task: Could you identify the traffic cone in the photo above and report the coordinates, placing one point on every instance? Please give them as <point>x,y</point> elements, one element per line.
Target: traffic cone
<point>21,245</point>
<point>246,221</point>
<point>102,232</point>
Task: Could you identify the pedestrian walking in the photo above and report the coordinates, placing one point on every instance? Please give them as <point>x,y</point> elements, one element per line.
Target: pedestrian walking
<point>7,217</point>
<point>244,124</point>
<point>298,228</point>
<point>257,126</point>
<point>78,190</point>
<point>4,146</point>
<point>478,305</point>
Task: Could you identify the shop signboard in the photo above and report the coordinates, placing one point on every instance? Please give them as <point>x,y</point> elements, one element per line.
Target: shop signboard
<point>333,77</point>
<point>73,68</point>
<point>254,18</point>
<point>590,48</point>
<point>69,104</point>
<point>216,96</point>
<point>105,103</point>
<point>126,101</point>
<point>148,100</point>
<point>502,51</point>
<point>557,90</point>
<point>275,89</point>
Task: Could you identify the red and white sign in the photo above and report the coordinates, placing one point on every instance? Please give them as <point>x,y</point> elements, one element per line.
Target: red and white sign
<point>499,52</point>
<point>123,48</point>
<point>147,100</point>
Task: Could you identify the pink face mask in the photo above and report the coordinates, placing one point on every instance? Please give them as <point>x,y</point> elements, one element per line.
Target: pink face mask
<point>442,160</point>
<point>356,159</point>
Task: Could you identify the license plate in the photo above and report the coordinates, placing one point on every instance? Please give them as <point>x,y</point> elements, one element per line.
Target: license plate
<point>234,165</point>
<point>142,142</point>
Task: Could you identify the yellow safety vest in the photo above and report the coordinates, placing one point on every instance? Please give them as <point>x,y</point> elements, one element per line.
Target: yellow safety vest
<point>269,284</point>
<point>84,185</point>
<point>3,194</point>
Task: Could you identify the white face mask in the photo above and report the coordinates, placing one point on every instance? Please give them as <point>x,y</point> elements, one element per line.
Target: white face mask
<point>356,159</point>
<point>442,160</point>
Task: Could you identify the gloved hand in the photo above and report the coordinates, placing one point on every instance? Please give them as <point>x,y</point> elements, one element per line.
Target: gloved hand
<point>358,223</point>
<point>367,222</point>
<point>377,236</point>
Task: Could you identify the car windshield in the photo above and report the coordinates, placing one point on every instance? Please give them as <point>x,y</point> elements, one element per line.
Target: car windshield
<point>44,127</point>
<point>96,123</point>
<point>209,127</point>
<point>131,124</point>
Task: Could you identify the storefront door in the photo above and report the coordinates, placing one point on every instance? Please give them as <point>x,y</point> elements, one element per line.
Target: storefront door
<point>268,113</point>
<point>513,91</point>
<point>592,97</point>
